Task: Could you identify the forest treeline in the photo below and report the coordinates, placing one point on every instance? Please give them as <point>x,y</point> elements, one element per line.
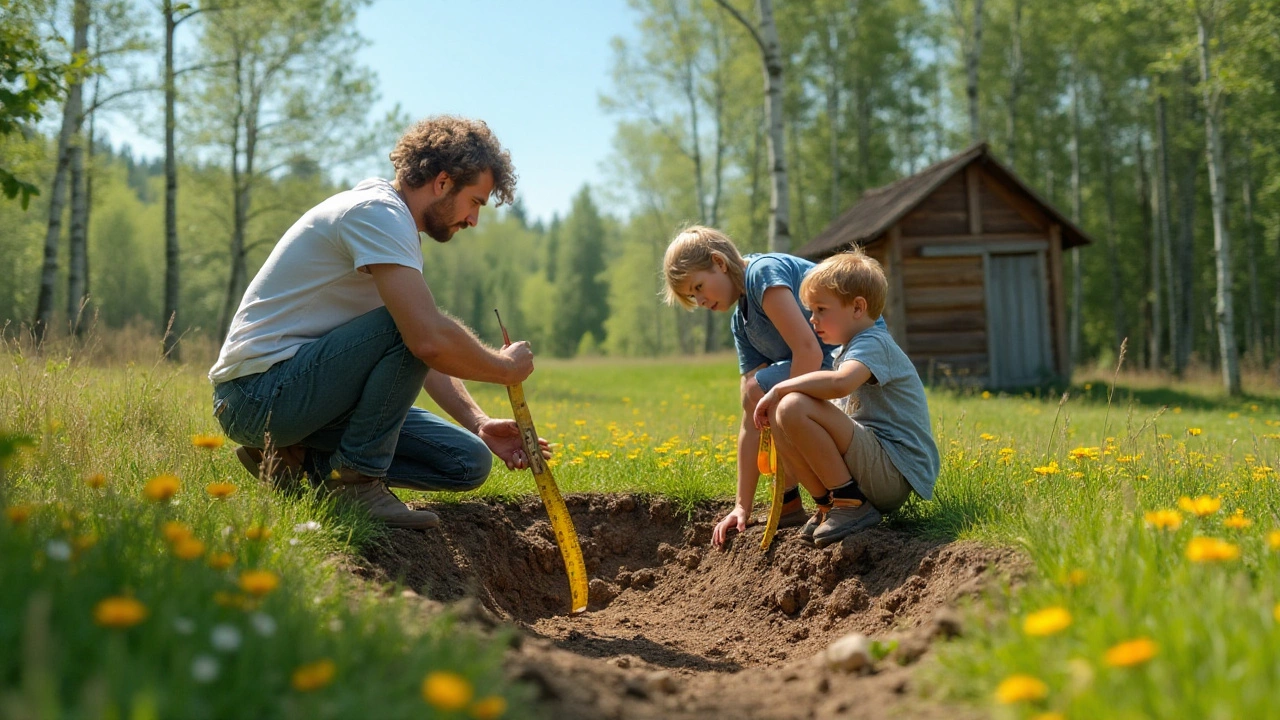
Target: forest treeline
<point>1153,124</point>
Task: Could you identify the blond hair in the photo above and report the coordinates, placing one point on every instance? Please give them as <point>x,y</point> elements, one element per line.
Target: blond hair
<point>695,249</point>
<point>848,275</point>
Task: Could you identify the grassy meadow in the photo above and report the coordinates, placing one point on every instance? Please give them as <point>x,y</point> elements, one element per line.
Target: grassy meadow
<point>1150,521</point>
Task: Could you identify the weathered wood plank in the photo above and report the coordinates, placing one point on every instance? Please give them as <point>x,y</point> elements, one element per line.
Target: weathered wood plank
<point>1015,199</point>
<point>956,298</point>
<point>926,321</point>
<point>972,183</point>
<point>930,272</point>
<point>972,341</point>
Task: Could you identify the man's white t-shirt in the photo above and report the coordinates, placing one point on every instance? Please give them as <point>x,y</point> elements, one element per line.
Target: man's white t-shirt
<point>312,283</point>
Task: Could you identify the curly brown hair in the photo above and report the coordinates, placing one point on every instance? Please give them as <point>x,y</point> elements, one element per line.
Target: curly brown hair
<point>461,147</point>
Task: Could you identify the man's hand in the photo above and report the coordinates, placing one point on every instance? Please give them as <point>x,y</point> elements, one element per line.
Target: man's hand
<point>503,439</point>
<point>519,358</point>
<point>761,415</point>
<point>736,520</point>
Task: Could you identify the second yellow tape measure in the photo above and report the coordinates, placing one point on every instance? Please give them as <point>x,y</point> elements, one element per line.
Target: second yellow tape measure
<point>561,523</point>
<point>767,463</point>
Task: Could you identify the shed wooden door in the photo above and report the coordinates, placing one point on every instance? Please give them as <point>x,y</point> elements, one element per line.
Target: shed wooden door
<point>1017,319</point>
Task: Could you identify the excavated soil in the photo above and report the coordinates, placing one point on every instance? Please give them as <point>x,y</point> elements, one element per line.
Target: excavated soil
<point>678,629</point>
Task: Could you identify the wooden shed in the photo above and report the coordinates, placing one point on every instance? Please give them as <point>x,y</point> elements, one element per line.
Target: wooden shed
<point>975,264</point>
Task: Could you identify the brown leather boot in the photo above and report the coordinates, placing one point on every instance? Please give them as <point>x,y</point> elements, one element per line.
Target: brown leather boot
<point>282,467</point>
<point>372,494</point>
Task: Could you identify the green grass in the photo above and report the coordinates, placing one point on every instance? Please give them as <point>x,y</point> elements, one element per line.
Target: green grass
<point>657,428</point>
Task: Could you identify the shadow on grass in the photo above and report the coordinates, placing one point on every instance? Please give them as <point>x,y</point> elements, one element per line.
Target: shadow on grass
<point>948,516</point>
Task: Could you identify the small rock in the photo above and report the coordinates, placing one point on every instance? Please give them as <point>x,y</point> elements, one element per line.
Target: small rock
<point>851,653</point>
<point>622,662</point>
<point>662,681</point>
<point>690,559</point>
<point>622,504</point>
<point>601,592</point>
<point>623,578</point>
<point>666,553</point>
<point>910,649</point>
<point>642,579</point>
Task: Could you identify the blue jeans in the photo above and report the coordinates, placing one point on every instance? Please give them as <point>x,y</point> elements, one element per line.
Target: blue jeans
<point>348,398</point>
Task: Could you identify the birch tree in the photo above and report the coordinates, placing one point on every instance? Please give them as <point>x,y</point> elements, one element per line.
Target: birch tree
<point>1211,93</point>
<point>765,35</point>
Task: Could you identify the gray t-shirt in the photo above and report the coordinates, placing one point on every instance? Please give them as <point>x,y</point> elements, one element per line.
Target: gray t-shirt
<point>312,281</point>
<point>893,406</point>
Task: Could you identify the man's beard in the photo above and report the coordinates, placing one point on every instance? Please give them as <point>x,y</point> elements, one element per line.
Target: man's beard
<point>435,220</point>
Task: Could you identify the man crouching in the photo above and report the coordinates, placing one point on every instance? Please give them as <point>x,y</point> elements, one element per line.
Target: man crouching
<point>338,333</point>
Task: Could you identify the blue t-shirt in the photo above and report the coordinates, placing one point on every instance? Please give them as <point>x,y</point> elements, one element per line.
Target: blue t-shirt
<point>893,406</point>
<point>757,340</point>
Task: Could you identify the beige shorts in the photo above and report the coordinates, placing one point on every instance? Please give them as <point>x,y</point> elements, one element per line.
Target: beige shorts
<point>875,473</point>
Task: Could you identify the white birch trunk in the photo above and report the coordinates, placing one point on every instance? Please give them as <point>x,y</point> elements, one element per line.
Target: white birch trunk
<point>1224,312</point>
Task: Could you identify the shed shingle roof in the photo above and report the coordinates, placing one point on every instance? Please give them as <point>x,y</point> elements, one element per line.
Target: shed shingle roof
<point>879,208</point>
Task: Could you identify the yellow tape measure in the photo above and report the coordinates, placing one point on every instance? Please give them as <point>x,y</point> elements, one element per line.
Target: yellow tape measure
<point>561,523</point>
<point>767,463</point>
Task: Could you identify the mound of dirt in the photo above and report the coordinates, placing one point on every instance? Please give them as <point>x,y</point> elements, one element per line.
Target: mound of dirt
<point>676,628</point>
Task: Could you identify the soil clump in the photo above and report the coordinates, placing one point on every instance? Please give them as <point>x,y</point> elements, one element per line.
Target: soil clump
<point>678,629</point>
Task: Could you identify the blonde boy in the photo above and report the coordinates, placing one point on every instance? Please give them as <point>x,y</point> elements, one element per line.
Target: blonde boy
<point>862,460</point>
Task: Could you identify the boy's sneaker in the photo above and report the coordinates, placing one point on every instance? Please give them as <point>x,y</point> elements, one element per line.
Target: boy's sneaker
<point>815,520</point>
<point>372,494</point>
<point>845,519</point>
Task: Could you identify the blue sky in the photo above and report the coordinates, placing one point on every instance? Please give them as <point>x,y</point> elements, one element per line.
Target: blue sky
<point>532,69</point>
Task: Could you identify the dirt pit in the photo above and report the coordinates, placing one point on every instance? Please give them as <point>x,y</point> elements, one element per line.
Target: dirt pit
<point>678,629</point>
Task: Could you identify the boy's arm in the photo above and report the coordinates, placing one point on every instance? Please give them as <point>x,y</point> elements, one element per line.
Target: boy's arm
<point>782,310</point>
<point>823,384</point>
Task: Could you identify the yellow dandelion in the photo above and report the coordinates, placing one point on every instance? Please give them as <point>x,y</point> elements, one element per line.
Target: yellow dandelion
<point>1237,521</point>
<point>119,612</point>
<point>1050,469</point>
<point>1233,415</point>
<point>1077,577</point>
<point>987,437</point>
<point>1132,652</point>
<point>446,690</point>
<point>580,423</point>
<point>220,490</point>
<point>1048,716</point>
<point>1021,688</point>
<point>986,395</point>
<point>1276,612</point>
<point>1194,432</point>
<point>220,560</point>
<point>489,708</point>
<point>259,582</point>
<point>1163,519</point>
<point>1201,506</point>
<point>1048,621</point>
<point>175,531</point>
<point>1273,539</point>
<point>188,549</point>
<point>257,532</point>
<point>313,676</point>
<point>84,542</point>
<point>1206,549</point>
<point>95,480</point>
<point>18,514</point>
<point>208,442</point>
<point>1085,453</point>
<point>161,487</point>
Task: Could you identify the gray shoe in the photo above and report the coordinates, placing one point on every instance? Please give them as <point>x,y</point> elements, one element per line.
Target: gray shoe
<point>372,494</point>
<point>845,519</point>
<point>816,519</point>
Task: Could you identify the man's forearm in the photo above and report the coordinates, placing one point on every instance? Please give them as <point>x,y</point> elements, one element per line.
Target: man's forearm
<point>455,351</point>
<point>452,397</point>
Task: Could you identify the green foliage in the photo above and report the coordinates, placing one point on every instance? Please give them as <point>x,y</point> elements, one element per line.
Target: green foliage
<point>30,77</point>
<point>580,289</point>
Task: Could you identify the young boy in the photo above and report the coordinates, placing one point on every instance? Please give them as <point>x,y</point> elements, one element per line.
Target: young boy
<point>863,460</point>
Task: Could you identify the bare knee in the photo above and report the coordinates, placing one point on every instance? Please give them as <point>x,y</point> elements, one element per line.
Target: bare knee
<point>791,409</point>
